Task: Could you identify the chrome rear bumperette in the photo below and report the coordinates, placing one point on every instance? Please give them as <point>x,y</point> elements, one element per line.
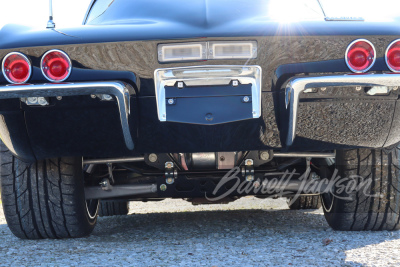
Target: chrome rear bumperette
<point>297,85</point>
<point>122,92</point>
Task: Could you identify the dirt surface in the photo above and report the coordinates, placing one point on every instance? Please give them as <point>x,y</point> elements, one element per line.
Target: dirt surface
<point>248,232</point>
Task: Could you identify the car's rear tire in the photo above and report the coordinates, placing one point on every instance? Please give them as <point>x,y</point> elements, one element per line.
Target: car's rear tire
<point>305,203</point>
<point>112,208</point>
<point>373,207</point>
<point>45,199</point>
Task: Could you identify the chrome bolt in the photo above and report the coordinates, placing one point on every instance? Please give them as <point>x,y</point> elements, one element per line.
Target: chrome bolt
<point>93,96</point>
<point>107,97</point>
<point>180,84</point>
<point>257,184</point>
<point>249,178</point>
<point>163,187</point>
<point>42,101</point>
<point>246,99</point>
<point>32,100</point>
<point>104,183</point>
<point>314,176</point>
<point>358,88</point>
<point>59,97</point>
<point>153,157</point>
<point>170,181</point>
<point>264,155</point>
<point>169,165</point>
<point>249,162</point>
<point>171,101</point>
<point>235,83</point>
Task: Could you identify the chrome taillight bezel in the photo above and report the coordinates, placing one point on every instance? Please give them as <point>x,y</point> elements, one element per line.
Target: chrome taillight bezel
<point>25,58</point>
<point>69,65</point>
<point>347,52</point>
<point>386,56</point>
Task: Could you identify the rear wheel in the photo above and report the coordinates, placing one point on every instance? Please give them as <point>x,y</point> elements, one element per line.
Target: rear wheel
<point>112,208</point>
<point>305,202</point>
<point>368,197</point>
<point>45,199</point>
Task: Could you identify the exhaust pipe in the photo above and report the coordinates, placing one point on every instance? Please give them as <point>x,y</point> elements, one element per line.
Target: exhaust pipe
<point>97,192</point>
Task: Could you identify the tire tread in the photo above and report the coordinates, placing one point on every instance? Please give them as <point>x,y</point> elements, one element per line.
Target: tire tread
<point>113,208</point>
<point>43,199</point>
<point>379,208</point>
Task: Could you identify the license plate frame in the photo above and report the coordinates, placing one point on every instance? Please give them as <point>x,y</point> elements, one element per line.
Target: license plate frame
<point>198,91</point>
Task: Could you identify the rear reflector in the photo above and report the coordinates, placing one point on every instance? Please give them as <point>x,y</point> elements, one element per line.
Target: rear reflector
<point>206,50</point>
<point>16,68</point>
<point>360,55</point>
<point>56,66</point>
<point>392,56</point>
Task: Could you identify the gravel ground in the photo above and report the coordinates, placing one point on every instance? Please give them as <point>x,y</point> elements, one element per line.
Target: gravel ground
<point>248,232</point>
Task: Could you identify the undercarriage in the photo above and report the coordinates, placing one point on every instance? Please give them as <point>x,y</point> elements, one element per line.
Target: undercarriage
<point>207,178</point>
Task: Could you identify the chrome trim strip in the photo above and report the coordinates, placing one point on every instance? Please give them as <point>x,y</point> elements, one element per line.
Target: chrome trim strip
<point>122,92</point>
<point>386,55</point>
<point>255,82</point>
<point>298,85</point>
<point>304,155</point>
<point>344,19</point>
<point>112,160</point>
<point>69,69</point>
<point>22,55</point>
<point>347,51</point>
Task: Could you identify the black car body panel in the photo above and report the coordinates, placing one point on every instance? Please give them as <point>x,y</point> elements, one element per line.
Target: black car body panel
<point>121,44</point>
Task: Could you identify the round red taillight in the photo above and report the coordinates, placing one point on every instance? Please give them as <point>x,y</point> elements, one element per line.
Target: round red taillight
<point>56,66</point>
<point>360,55</point>
<point>392,56</point>
<point>16,68</point>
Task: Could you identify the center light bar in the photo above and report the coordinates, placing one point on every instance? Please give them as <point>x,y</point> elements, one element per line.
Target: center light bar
<point>207,50</point>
